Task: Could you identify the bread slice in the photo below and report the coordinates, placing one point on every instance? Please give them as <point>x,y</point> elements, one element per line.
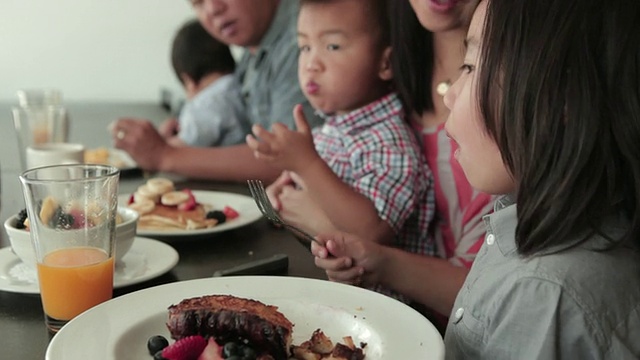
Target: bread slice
<point>230,318</point>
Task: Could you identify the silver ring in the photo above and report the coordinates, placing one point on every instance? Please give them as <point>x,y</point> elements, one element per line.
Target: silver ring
<point>120,134</point>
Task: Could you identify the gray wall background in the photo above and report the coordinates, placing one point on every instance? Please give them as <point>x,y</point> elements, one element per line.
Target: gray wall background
<point>93,50</point>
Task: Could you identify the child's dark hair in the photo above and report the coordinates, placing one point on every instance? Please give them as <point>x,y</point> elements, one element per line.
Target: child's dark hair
<point>412,58</point>
<point>196,53</point>
<point>566,115</point>
<point>379,11</point>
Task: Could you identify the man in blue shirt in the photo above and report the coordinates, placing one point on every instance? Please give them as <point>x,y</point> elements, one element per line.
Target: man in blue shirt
<point>267,79</point>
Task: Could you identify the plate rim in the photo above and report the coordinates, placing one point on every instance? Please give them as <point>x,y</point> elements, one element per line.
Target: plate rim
<point>170,263</point>
<point>171,293</point>
<point>251,217</point>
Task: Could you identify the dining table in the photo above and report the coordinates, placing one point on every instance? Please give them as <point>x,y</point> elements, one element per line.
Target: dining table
<point>23,334</point>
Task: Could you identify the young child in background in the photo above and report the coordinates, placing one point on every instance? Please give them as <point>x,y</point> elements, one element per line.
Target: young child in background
<point>546,110</point>
<point>211,115</point>
<point>366,174</point>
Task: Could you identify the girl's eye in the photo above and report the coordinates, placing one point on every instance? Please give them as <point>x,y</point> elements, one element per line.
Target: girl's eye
<point>196,3</point>
<point>333,47</point>
<point>467,68</point>
<point>303,48</point>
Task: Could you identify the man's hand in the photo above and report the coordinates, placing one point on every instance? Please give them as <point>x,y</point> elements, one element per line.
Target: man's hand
<point>141,140</point>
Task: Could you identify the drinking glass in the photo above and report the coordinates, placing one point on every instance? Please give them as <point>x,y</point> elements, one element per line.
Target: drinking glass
<point>39,97</point>
<point>72,211</point>
<point>39,125</point>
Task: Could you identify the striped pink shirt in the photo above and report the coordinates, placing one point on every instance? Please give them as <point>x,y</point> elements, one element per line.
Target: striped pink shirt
<point>459,230</point>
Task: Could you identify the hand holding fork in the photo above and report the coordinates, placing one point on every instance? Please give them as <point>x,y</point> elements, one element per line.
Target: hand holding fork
<point>261,198</point>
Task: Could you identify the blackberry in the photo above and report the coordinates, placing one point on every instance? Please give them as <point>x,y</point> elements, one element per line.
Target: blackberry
<point>65,221</point>
<point>218,215</point>
<point>22,216</point>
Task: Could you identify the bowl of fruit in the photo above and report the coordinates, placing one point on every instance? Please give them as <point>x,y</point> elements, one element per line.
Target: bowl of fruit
<point>17,227</point>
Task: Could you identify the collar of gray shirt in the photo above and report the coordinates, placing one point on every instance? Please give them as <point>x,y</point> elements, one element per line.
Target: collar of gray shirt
<point>503,221</point>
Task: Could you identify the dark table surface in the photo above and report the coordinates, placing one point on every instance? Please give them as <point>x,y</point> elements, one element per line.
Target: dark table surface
<point>23,334</point>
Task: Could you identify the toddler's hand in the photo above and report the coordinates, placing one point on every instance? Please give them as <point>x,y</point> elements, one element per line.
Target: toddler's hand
<point>285,148</point>
<point>275,189</point>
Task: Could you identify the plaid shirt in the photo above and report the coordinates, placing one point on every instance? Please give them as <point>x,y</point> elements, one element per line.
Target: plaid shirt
<point>376,152</point>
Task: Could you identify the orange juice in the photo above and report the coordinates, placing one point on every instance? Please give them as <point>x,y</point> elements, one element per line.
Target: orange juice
<point>40,134</point>
<point>73,280</point>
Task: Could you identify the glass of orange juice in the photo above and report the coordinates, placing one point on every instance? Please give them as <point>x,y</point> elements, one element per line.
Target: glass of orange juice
<point>71,211</point>
<point>38,125</point>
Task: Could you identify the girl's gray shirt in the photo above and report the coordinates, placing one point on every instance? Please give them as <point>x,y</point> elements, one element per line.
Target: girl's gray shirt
<point>574,304</point>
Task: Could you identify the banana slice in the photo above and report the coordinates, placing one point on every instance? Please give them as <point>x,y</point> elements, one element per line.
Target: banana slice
<point>174,198</point>
<point>144,192</point>
<point>160,185</point>
<point>49,206</point>
<point>144,206</point>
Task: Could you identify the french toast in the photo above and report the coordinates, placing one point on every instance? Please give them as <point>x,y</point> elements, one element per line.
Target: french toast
<point>229,318</point>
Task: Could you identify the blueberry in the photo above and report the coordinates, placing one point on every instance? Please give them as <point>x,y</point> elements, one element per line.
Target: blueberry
<point>156,343</point>
<point>22,216</point>
<point>218,215</point>
<point>248,353</point>
<point>158,356</point>
<point>230,349</point>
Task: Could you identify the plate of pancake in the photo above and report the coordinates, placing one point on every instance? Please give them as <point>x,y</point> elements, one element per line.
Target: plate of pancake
<point>211,212</point>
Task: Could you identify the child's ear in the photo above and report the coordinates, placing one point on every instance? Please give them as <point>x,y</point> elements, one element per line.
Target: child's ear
<point>385,72</point>
<point>186,80</point>
<point>190,86</point>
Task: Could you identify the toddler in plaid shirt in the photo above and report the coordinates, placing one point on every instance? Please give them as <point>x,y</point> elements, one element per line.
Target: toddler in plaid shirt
<point>363,171</point>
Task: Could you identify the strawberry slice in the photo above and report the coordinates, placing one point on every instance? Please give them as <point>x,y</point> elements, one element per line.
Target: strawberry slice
<point>230,212</point>
<point>190,204</point>
<point>131,199</point>
<point>188,348</point>
<point>79,221</point>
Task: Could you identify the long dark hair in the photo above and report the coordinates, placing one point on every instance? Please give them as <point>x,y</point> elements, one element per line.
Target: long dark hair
<point>411,58</point>
<point>566,115</point>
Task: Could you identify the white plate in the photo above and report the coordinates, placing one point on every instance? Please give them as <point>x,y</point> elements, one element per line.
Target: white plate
<point>119,158</point>
<point>121,327</point>
<point>145,260</point>
<point>244,205</point>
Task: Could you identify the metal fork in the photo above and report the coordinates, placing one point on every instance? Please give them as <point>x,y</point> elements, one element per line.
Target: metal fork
<point>262,200</point>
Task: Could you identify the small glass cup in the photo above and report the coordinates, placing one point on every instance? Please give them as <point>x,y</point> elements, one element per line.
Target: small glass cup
<point>39,97</point>
<point>40,125</point>
<point>72,212</point>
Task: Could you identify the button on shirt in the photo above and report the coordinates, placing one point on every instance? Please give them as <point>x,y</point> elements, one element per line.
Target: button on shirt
<point>574,304</point>
<point>269,78</point>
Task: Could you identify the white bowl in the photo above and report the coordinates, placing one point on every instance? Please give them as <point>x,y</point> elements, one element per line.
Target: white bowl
<point>21,241</point>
